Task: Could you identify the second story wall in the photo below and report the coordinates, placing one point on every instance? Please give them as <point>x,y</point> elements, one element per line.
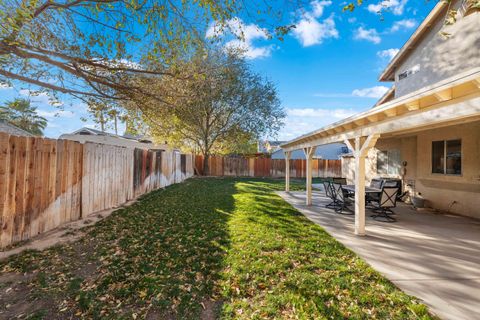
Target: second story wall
<point>436,57</point>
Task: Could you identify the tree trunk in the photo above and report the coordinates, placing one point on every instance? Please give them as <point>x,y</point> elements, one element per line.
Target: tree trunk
<point>206,169</point>
<point>102,122</point>
<point>116,125</point>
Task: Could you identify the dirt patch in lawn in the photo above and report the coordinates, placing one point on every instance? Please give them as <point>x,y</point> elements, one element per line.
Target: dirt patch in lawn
<point>66,233</point>
<point>26,295</point>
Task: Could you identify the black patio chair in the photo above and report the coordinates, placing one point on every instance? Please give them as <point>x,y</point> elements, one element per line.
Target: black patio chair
<point>374,197</point>
<point>342,181</point>
<point>327,185</point>
<point>342,200</point>
<point>387,201</point>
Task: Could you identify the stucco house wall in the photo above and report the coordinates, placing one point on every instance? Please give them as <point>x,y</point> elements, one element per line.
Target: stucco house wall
<point>437,57</point>
<point>456,194</point>
<point>459,194</point>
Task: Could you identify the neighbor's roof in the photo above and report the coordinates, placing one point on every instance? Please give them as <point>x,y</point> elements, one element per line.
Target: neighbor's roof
<point>275,143</point>
<point>389,73</point>
<point>96,132</point>
<point>331,151</point>
<point>13,130</point>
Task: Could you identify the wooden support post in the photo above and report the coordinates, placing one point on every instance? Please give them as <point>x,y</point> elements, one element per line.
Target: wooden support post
<point>360,150</point>
<point>360,195</point>
<point>309,151</point>
<point>287,170</point>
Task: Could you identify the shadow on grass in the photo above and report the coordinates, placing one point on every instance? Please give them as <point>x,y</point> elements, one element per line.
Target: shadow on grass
<point>283,265</point>
<point>179,253</point>
<point>159,258</point>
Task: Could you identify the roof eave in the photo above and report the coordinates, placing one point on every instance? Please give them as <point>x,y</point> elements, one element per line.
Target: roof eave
<point>389,73</point>
<point>406,101</point>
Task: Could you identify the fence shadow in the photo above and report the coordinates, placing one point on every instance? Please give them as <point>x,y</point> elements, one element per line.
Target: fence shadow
<point>159,258</point>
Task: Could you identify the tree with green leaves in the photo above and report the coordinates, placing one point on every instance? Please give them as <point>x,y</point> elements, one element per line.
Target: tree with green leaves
<point>92,48</point>
<point>22,114</point>
<point>220,100</point>
<point>106,116</point>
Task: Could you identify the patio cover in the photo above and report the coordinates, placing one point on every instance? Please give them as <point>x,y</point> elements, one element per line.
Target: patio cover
<point>451,101</point>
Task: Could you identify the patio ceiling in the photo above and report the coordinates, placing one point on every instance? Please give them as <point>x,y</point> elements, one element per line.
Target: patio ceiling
<point>447,102</point>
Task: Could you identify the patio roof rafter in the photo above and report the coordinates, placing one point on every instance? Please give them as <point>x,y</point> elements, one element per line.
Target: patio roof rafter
<point>477,82</point>
<point>400,114</point>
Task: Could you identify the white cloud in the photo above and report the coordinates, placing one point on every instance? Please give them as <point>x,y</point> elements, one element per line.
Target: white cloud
<point>395,6</point>
<point>248,50</point>
<point>303,120</point>
<point>373,92</point>
<point>244,34</point>
<point>403,25</point>
<point>310,31</point>
<point>367,34</point>
<point>56,114</point>
<point>320,113</point>
<point>40,97</point>
<point>388,53</point>
<point>318,7</point>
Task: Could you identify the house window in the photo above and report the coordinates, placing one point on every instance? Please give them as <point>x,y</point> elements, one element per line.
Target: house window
<point>447,157</point>
<point>388,162</point>
<point>409,72</point>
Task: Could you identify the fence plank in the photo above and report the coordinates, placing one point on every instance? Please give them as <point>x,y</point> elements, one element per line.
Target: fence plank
<point>4,180</point>
<point>45,183</point>
<point>266,167</point>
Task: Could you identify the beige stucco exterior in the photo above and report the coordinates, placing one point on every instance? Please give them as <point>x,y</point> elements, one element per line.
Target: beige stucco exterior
<point>438,57</point>
<point>458,194</point>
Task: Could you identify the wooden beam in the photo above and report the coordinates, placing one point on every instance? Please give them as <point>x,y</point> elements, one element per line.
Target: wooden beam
<point>348,126</point>
<point>390,112</point>
<point>443,95</point>
<point>466,107</point>
<point>350,145</point>
<point>412,106</point>
<point>369,143</point>
<point>373,118</point>
<point>477,82</point>
<point>359,122</point>
<point>339,129</point>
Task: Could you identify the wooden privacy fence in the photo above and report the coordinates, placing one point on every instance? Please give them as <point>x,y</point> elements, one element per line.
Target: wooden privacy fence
<point>266,167</point>
<point>45,182</point>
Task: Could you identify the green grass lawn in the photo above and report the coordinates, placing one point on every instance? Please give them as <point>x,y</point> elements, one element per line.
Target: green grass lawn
<point>203,249</point>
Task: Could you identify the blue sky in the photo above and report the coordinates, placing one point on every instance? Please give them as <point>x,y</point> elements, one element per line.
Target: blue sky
<point>325,70</point>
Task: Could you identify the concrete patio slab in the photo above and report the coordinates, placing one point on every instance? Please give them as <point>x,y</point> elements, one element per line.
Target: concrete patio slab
<point>431,256</point>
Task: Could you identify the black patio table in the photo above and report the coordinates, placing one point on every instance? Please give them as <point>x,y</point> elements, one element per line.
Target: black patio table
<point>351,188</point>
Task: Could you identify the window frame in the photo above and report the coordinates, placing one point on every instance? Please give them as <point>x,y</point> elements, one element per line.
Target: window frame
<point>445,142</point>
<point>388,160</point>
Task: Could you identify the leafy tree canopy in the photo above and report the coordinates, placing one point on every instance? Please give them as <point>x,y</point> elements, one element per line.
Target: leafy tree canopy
<point>91,48</point>
<point>22,114</point>
<point>218,100</point>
